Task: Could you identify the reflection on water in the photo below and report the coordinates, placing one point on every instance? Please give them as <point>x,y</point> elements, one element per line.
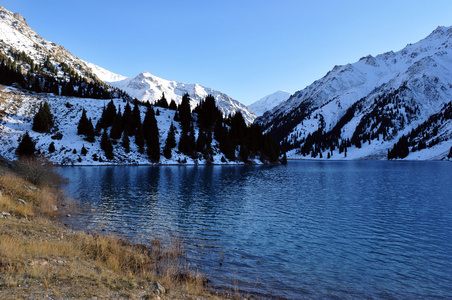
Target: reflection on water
<point>308,229</point>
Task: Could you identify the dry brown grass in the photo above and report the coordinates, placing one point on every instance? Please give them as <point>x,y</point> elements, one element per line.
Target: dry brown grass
<point>43,258</point>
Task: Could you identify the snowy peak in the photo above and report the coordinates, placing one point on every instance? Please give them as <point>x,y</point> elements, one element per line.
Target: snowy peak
<point>268,102</point>
<point>103,74</point>
<point>16,35</point>
<point>376,98</point>
<point>150,88</point>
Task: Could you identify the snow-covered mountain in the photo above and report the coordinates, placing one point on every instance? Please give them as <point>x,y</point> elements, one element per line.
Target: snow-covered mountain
<point>268,102</point>
<point>34,71</point>
<point>369,105</point>
<point>15,34</point>
<point>149,88</point>
<point>17,108</point>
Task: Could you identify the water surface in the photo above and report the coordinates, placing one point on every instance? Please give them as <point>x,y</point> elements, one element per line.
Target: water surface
<point>363,229</point>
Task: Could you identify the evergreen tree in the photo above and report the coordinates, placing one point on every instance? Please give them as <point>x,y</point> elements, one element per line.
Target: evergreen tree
<point>105,144</point>
<point>27,147</point>
<point>400,149</point>
<point>125,142</point>
<point>162,102</point>
<point>208,113</point>
<point>43,120</point>
<point>151,135</point>
<point>170,142</point>
<point>139,139</point>
<point>85,127</point>
<point>173,105</point>
<point>238,129</point>
<point>167,152</point>
<point>127,119</point>
<point>116,129</point>
<point>153,148</point>
<point>90,132</point>
<point>244,153</point>
<point>136,119</point>
<point>184,143</point>
<point>52,147</point>
<point>201,142</point>
<point>185,113</point>
<point>108,117</point>
<point>84,151</point>
<point>284,158</point>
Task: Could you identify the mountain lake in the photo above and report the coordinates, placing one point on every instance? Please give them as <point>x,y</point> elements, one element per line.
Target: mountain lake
<point>310,229</point>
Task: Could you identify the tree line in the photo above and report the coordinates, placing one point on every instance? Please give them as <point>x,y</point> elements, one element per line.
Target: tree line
<point>44,78</point>
<point>236,140</point>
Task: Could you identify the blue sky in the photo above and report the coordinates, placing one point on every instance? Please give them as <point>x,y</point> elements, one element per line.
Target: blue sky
<point>247,49</point>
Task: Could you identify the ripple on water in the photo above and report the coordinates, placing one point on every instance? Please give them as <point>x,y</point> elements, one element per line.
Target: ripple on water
<point>305,230</point>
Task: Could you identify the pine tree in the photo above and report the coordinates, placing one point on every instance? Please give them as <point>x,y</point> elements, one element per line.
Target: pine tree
<point>170,142</point>
<point>139,139</point>
<point>43,120</point>
<point>162,102</point>
<point>105,144</point>
<point>116,129</point>
<point>136,119</point>
<point>244,153</point>
<point>127,119</point>
<point>284,158</point>
<point>208,113</point>
<point>108,117</point>
<point>185,113</point>
<point>85,127</point>
<point>400,149</point>
<point>173,105</point>
<point>151,135</point>
<point>125,142</point>
<point>52,147</point>
<point>201,142</point>
<point>27,147</point>
<point>84,151</point>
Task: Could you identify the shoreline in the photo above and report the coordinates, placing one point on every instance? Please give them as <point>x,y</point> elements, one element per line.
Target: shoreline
<point>42,257</point>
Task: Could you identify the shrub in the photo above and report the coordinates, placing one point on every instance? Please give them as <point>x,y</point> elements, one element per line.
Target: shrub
<point>38,171</point>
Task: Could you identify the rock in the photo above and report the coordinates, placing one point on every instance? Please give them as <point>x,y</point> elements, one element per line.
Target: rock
<point>22,201</point>
<point>5,214</point>
<point>159,289</point>
<point>54,207</point>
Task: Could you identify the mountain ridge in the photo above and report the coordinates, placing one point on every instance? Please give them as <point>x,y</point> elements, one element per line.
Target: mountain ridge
<point>268,102</point>
<point>423,67</point>
<point>150,88</point>
<point>84,121</point>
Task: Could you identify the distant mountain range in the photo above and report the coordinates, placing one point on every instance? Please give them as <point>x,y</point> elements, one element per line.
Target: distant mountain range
<point>372,108</point>
<point>149,88</point>
<point>268,102</point>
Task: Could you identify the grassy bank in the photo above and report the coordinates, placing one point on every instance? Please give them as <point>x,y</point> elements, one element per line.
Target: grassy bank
<point>41,258</point>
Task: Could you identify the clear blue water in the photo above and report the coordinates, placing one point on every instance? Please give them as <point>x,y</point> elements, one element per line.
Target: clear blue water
<point>363,229</point>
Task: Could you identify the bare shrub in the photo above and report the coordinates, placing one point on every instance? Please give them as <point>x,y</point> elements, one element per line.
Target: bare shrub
<point>38,171</point>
